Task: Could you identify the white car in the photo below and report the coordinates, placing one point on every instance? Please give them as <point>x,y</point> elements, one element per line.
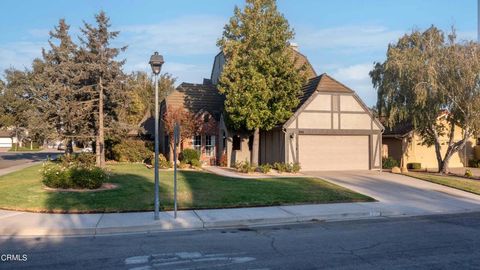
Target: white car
<point>87,150</point>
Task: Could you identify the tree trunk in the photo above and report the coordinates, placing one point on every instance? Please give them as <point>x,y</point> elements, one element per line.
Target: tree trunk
<point>255,147</point>
<point>100,144</point>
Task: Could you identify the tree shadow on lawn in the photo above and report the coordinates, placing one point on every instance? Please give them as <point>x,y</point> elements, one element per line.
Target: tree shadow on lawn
<point>196,190</point>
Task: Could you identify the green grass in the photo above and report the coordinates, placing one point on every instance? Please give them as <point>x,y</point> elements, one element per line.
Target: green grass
<point>23,190</point>
<point>461,183</point>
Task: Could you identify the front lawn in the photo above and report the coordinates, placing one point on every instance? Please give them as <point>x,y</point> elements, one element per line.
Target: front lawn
<point>23,190</point>
<point>461,183</point>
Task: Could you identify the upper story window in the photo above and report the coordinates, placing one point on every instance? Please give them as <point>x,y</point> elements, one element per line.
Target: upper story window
<point>210,145</point>
<point>197,142</point>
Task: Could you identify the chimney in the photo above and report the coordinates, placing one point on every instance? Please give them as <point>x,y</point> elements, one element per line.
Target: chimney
<point>295,45</point>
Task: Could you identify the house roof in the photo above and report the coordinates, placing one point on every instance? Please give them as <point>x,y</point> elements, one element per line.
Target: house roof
<point>399,129</point>
<point>197,97</point>
<point>5,133</point>
<point>323,83</point>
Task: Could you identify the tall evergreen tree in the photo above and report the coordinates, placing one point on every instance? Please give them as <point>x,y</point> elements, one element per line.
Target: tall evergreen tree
<point>259,80</point>
<point>102,75</point>
<point>60,98</point>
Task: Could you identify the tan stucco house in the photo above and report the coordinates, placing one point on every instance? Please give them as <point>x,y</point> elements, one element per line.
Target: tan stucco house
<point>332,129</point>
<point>405,145</point>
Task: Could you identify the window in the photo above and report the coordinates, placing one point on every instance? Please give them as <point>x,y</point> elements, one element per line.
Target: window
<point>210,145</point>
<point>250,142</point>
<point>236,143</point>
<point>478,141</point>
<point>197,142</point>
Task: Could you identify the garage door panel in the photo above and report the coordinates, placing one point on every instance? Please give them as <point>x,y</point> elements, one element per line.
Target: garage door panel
<point>324,153</point>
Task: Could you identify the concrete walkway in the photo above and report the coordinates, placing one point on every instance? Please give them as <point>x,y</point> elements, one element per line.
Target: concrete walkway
<point>15,168</point>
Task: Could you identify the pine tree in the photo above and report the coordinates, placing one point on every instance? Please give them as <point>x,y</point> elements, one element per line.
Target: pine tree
<point>259,80</point>
<point>59,96</point>
<point>102,75</point>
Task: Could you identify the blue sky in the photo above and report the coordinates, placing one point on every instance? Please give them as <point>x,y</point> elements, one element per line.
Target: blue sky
<point>343,38</point>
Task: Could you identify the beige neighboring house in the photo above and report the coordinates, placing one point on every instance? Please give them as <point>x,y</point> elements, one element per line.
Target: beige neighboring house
<point>402,142</point>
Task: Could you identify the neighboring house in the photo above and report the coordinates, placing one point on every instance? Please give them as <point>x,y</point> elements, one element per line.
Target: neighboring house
<point>332,129</point>
<point>401,142</point>
<point>6,140</point>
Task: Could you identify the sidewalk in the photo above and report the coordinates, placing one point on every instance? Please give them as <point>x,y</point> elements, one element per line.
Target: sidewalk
<point>36,224</point>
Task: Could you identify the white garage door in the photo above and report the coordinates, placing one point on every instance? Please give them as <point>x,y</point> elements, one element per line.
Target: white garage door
<point>5,142</point>
<point>331,153</point>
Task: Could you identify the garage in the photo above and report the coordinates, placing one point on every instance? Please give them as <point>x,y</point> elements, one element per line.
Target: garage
<point>333,153</point>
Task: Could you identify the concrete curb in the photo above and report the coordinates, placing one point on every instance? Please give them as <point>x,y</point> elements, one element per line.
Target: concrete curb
<point>109,224</point>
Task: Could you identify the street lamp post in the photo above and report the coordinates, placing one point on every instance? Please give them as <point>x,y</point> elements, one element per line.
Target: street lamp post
<point>156,62</point>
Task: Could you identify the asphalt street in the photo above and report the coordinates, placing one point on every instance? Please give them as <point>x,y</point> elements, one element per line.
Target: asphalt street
<point>10,159</point>
<point>430,242</point>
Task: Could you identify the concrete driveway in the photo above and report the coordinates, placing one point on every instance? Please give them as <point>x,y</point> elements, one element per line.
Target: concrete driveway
<point>403,194</point>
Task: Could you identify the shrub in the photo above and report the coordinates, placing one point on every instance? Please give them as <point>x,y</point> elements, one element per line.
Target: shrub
<point>60,176</point>
<point>246,167</point>
<point>414,166</point>
<point>389,163</point>
<point>280,167</point>
<point>474,163</point>
<point>183,165</point>
<point>293,167</point>
<point>196,163</point>
<point>131,151</point>
<point>85,160</point>
<point>468,173</point>
<point>188,155</point>
<point>223,160</point>
<point>237,165</point>
<point>90,178</point>
<point>265,168</point>
<point>163,163</point>
<point>56,176</point>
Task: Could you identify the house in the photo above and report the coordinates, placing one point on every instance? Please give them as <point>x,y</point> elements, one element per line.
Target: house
<point>331,129</point>
<point>403,144</point>
<point>6,140</point>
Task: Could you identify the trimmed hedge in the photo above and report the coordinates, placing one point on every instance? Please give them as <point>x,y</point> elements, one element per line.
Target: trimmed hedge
<point>414,166</point>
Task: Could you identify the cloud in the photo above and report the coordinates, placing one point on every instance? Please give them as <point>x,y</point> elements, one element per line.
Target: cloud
<point>357,77</point>
<point>182,36</point>
<point>19,54</point>
<point>346,38</point>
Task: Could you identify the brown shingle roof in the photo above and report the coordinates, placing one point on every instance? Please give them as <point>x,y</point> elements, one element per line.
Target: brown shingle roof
<point>322,83</point>
<point>5,133</point>
<point>197,97</point>
<point>301,60</point>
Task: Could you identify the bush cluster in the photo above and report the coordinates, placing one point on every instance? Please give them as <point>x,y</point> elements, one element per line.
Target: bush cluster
<point>265,168</point>
<point>244,167</point>
<point>74,171</point>
<point>389,162</point>
<point>468,173</point>
<point>286,167</point>
<point>131,151</point>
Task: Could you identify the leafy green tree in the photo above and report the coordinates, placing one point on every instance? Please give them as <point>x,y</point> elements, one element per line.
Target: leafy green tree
<point>259,79</point>
<point>102,76</point>
<point>426,76</point>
